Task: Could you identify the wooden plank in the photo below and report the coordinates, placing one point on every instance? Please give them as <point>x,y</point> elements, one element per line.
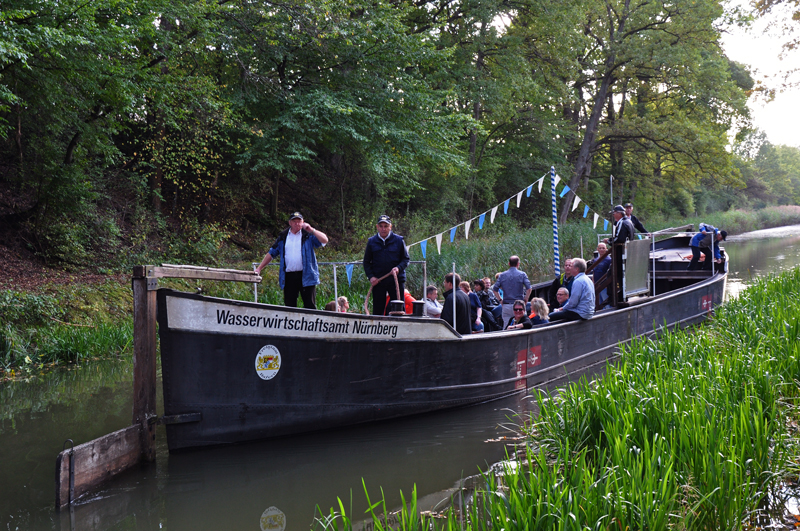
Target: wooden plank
<point>144,363</point>
<point>203,274</point>
<point>96,461</point>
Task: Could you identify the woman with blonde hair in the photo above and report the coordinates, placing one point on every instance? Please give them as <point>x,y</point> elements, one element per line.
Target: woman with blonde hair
<point>539,312</point>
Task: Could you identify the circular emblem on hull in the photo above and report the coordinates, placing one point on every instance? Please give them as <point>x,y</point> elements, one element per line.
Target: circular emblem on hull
<point>268,363</point>
<point>273,519</point>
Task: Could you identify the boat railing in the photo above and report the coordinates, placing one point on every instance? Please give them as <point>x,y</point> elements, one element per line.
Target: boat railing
<point>335,265</point>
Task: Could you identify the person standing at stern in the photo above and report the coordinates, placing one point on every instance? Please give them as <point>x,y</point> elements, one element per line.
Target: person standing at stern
<point>385,252</point>
<point>298,268</point>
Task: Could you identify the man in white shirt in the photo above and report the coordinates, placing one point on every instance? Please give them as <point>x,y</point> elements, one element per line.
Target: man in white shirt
<point>298,268</point>
<point>432,306</point>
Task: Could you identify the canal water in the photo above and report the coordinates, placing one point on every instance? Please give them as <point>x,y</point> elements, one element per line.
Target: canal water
<point>277,484</point>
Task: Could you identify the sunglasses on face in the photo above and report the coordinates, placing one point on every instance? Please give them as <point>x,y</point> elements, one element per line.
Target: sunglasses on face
<point>519,309</point>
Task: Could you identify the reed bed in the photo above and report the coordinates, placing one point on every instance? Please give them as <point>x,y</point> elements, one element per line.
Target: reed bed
<point>691,430</point>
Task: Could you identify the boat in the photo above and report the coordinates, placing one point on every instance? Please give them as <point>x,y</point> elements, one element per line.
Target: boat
<point>236,371</point>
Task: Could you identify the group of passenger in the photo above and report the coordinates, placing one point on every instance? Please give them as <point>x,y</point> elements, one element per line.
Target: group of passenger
<point>481,306</point>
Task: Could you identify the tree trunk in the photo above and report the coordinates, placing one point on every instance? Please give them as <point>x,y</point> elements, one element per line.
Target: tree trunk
<point>273,208</point>
<point>583,163</point>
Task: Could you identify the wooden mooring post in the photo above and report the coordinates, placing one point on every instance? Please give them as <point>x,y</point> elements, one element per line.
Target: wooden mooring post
<point>82,467</point>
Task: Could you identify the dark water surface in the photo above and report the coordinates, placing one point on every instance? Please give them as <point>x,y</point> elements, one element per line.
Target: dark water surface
<point>283,480</point>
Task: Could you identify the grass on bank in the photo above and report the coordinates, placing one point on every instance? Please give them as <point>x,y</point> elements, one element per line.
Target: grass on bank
<point>64,325</point>
<point>689,431</point>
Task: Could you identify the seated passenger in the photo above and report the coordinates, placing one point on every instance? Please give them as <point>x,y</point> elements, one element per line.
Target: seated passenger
<point>539,312</point>
<point>495,309</point>
<point>488,303</point>
<point>562,296</point>
<point>564,280</point>
<point>432,306</point>
<point>580,304</point>
<point>476,311</point>
<point>332,307</point>
<point>343,303</point>
<point>519,321</point>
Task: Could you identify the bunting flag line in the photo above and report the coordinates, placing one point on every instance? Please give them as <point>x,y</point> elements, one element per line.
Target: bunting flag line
<point>349,269</point>
<point>555,179</point>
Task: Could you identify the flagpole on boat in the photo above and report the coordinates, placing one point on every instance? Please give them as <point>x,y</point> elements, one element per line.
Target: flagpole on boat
<point>454,296</point>
<point>556,260</point>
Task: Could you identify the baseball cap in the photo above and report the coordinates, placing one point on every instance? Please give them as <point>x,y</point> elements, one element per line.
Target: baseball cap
<point>619,208</point>
<point>295,215</point>
<point>628,205</point>
<point>383,218</point>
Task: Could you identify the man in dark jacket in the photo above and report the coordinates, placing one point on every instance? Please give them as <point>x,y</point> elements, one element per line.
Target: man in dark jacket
<point>634,220</point>
<point>298,267</point>
<point>623,231</point>
<point>385,252</point>
<point>463,310</point>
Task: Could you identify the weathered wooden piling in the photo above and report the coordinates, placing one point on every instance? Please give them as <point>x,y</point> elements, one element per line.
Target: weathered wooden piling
<point>87,465</point>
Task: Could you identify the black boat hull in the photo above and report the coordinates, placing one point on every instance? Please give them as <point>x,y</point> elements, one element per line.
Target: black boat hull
<point>341,369</point>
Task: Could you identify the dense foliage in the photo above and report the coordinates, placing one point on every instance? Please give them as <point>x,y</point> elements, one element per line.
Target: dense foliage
<point>154,129</point>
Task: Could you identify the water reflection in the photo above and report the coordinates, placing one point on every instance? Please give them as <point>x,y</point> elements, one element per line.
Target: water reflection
<point>759,253</point>
<point>269,483</point>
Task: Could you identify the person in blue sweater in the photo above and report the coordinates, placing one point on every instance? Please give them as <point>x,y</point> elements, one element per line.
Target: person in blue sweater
<point>702,243</point>
<point>299,274</point>
<point>385,252</point>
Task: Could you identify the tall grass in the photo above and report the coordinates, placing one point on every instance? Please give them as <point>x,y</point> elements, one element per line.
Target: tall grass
<point>30,349</point>
<point>690,430</point>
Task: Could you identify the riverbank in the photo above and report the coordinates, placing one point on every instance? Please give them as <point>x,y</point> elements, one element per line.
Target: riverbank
<point>697,430</point>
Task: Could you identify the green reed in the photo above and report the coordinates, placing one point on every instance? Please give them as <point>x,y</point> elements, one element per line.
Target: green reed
<point>689,430</point>
<point>28,349</point>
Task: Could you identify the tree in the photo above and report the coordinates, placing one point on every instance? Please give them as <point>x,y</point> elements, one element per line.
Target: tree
<point>655,78</point>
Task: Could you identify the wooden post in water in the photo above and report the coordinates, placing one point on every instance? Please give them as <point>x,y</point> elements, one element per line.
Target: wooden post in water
<point>144,358</point>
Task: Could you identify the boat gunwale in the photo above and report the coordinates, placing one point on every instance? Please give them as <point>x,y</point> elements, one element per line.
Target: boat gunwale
<point>471,337</point>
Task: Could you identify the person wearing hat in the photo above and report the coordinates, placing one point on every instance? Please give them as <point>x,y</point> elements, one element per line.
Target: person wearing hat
<point>702,242</point>
<point>623,231</point>
<point>385,252</point>
<point>634,220</point>
<point>298,268</point>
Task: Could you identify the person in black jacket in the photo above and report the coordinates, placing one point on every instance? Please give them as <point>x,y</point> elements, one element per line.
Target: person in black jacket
<point>634,220</point>
<point>623,231</point>
<point>463,310</point>
<point>385,252</point>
